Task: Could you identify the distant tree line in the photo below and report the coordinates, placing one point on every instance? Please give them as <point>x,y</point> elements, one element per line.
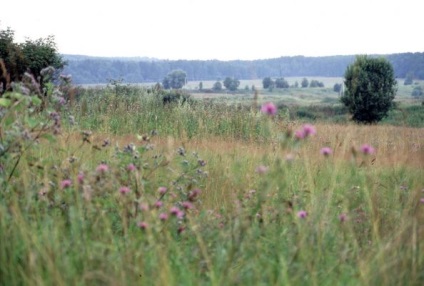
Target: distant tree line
<point>99,70</point>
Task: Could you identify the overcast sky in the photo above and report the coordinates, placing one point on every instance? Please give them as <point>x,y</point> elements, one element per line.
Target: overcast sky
<point>220,29</point>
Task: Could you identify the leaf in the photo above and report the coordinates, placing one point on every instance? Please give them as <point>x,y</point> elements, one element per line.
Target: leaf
<point>4,102</point>
<point>35,100</point>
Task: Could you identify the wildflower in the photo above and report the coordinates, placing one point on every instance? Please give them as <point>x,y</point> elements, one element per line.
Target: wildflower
<point>143,207</point>
<point>306,131</point>
<point>65,184</point>
<point>193,195</point>
<point>181,229</point>
<point>302,214</point>
<point>124,190</point>
<point>422,200</point>
<point>269,108</point>
<point>102,168</point>
<point>367,149</point>
<point>158,204</point>
<point>261,169</point>
<point>143,225</point>
<point>131,167</point>
<point>174,211</point>
<point>342,217</point>
<point>80,177</point>
<point>162,190</point>
<point>187,205</point>
<point>163,216</point>
<point>326,151</point>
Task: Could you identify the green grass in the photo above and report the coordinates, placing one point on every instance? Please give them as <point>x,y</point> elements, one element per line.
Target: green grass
<point>243,228</point>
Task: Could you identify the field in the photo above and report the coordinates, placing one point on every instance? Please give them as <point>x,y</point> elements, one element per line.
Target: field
<point>117,188</point>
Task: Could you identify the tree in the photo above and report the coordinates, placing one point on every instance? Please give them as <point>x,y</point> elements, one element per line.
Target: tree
<point>32,56</point>
<point>40,54</point>
<point>217,86</point>
<point>337,87</point>
<point>200,85</point>
<point>417,91</point>
<point>409,79</point>
<point>304,83</point>
<point>370,89</point>
<point>267,82</point>
<point>175,80</point>
<point>281,83</point>
<point>231,83</point>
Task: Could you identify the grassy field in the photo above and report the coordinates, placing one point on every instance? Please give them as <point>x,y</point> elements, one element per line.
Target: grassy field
<point>118,189</point>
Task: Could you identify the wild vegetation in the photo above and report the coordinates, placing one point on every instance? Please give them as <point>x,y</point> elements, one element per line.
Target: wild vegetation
<point>132,185</point>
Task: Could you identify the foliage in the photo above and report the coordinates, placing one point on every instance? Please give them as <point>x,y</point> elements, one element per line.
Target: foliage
<point>337,87</point>
<point>304,83</point>
<point>31,56</point>
<point>370,89</point>
<point>281,83</point>
<point>417,91</point>
<point>97,70</point>
<point>175,80</point>
<point>231,83</point>
<point>217,86</point>
<point>267,82</point>
<point>316,83</point>
<point>409,79</point>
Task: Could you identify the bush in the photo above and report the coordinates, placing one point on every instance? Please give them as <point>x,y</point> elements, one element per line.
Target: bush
<point>370,89</point>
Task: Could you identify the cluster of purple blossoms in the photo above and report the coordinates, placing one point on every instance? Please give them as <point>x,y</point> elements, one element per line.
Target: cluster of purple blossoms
<point>306,131</point>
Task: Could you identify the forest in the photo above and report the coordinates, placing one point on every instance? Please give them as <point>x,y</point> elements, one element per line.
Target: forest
<point>94,70</point>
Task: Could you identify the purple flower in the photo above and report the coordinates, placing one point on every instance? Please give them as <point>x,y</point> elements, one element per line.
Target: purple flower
<point>174,211</point>
<point>306,131</point>
<point>269,108</point>
<point>131,167</point>
<point>65,184</point>
<point>422,200</point>
<point>124,190</point>
<point>102,168</point>
<point>261,169</point>
<point>342,217</point>
<point>193,195</point>
<point>302,214</point>
<point>367,149</point>
<point>143,225</point>
<point>187,205</point>
<point>163,216</point>
<point>143,207</point>
<point>162,190</point>
<point>158,204</point>
<point>80,177</point>
<point>326,151</point>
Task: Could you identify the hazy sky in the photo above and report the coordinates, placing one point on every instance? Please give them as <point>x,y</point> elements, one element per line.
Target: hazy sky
<point>220,29</point>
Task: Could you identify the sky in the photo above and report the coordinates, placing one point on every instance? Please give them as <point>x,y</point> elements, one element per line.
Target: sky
<point>219,29</point>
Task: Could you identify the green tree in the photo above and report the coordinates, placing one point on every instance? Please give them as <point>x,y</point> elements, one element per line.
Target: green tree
<point>175,80</point>
<point>231,83</point>
<point>370,89</point>
<point>40,54</point>
<point>200,85</point>
<point>337,87</point>
<point>417,91</point>
<point>267,82</point>
<point>281,83</point>
<point>217,86</point>
<point>304,83</point>
<point>409,79</point>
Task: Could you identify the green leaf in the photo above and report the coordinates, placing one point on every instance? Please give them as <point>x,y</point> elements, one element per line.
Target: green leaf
<point>31,122</point>
<point>4,102</point>
<point>35,100</point>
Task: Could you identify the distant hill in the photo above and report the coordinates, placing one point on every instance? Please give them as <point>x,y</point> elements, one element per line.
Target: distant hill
<point>92,70</point>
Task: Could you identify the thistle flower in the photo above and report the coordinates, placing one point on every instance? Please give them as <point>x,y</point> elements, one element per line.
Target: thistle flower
<point>124,190</point>
<point>102,168</point>
<point>302,214</point>
<point>342,217</point>
<point>143,225</point>
<point>131,167</point>
<point>162,190</point>
<point>269,108</point>
<point>367,149</point>
<point>80,177</point>
<point>326,151</point>
<point>187,205</point>
<point>163,216</point>
<point>65,184</point>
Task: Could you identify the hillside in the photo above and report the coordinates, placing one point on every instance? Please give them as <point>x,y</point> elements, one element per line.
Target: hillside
<point>92,70</point>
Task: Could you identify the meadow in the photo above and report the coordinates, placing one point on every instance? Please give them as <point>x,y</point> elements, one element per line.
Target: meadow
<point>117,188</point>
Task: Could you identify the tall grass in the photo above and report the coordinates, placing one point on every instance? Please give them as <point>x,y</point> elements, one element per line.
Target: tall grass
<point>271,210</point>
